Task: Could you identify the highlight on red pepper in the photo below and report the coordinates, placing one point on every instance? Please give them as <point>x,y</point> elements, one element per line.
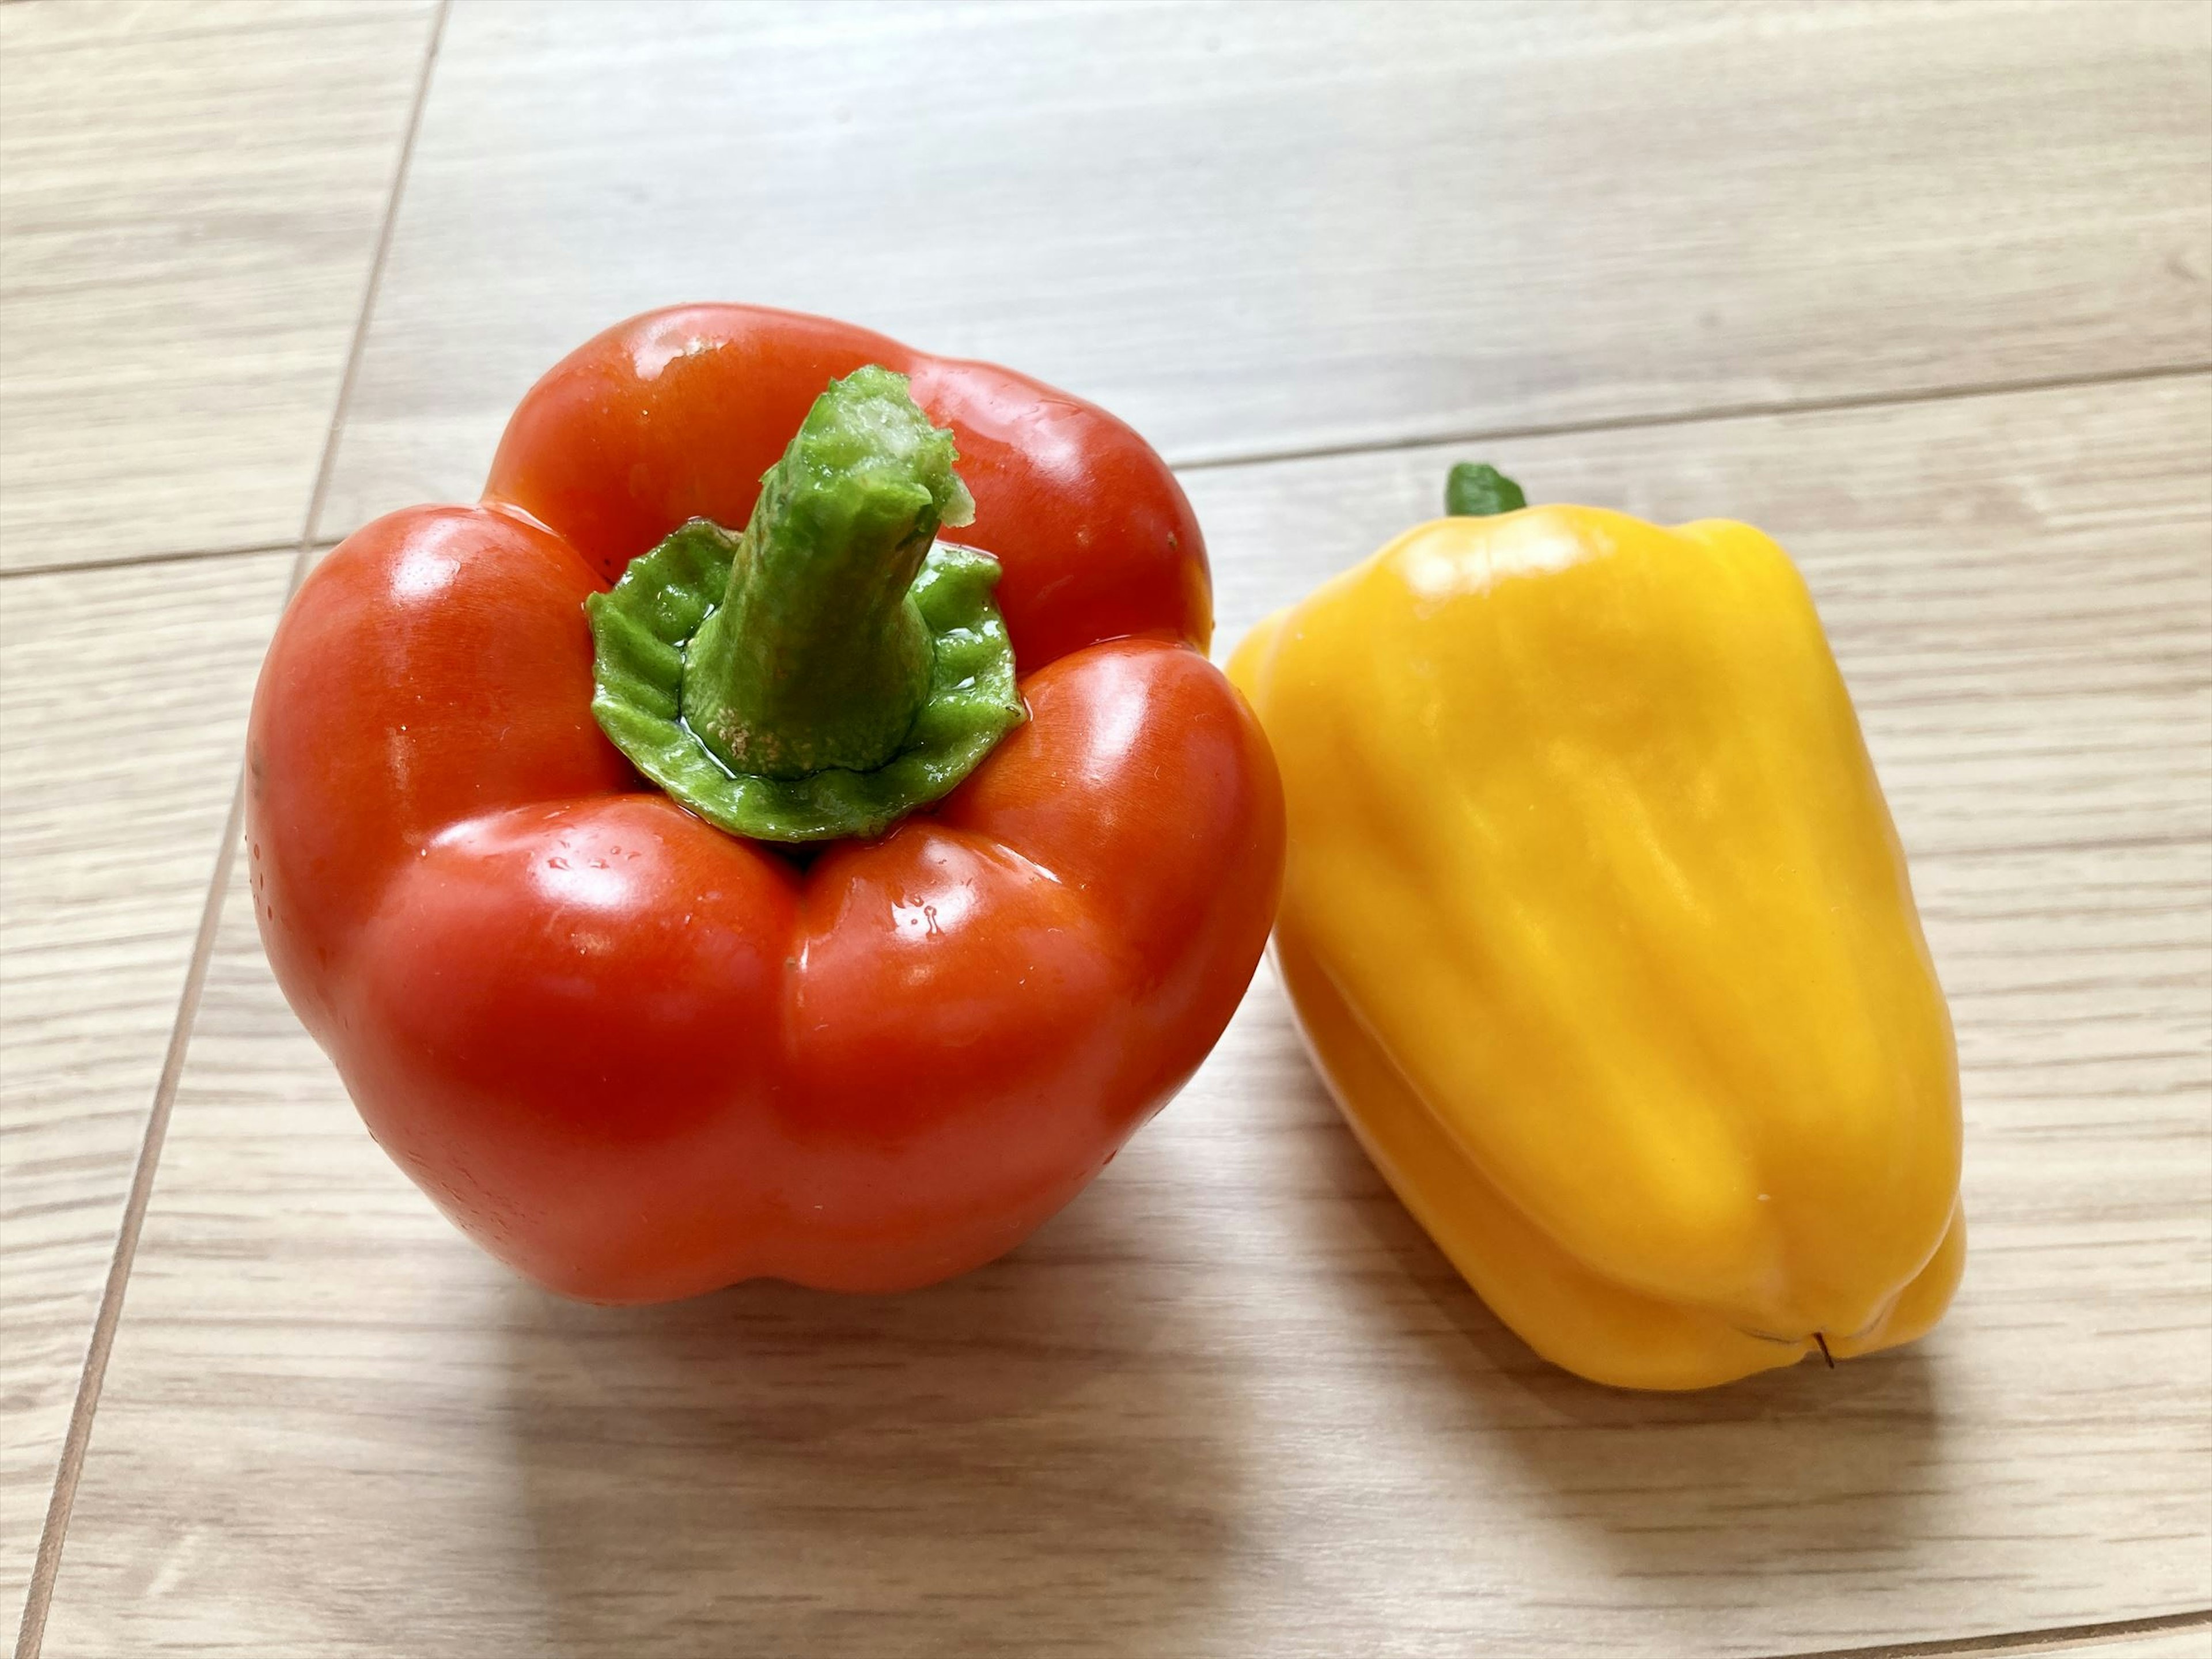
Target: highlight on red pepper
<point>698,871</point>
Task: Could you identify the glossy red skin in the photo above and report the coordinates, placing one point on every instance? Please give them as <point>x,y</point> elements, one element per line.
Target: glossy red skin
<point>637,1058</point>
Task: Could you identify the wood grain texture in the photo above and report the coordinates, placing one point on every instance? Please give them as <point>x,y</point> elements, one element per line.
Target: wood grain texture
<point>189,204</point>
<point>44,26</point>
<point>2194,1642</point>
<point>1248,229</point>
<point>1232,1402</point>
<point>122,706</point>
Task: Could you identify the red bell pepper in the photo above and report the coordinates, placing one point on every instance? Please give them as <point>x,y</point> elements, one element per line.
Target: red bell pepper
<point>638,1056</point>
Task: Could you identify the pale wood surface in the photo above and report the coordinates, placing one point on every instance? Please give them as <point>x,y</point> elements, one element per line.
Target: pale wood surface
<point>189,203</point>
<point>188,206</point>
<point>1232,1402</point>
<point>1254,228</point>
<point>2195,1643</point>
<point>122,704</point>
<point>32,25</point>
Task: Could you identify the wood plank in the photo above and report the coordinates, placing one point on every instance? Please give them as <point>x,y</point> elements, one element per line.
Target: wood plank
<point>1267,228</point>
<point>1232,1402</point>
<point>44,25</point>
<point>122,706</point>
<point>189,205</point>
<point>2192,1642</point>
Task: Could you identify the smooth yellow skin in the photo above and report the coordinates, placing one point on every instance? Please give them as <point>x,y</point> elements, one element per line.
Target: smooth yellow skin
<point>1598,927</point>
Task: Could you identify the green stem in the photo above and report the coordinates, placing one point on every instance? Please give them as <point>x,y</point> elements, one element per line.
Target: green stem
<point>1476,489</point>
<point>833,667</point>
<point>817,656</point>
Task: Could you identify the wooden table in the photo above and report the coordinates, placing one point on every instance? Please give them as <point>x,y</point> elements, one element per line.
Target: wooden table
<point>1925,288</point>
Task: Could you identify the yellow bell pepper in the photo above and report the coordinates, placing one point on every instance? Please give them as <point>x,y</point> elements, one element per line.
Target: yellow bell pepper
<point>1598,928</point>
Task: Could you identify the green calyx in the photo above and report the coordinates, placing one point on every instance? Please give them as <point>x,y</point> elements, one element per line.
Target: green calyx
<point>833,667</point>
<point>1475,489</point>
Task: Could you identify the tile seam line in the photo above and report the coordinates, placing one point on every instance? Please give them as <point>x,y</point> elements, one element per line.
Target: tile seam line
<point>2023,1642</point>
<point>1842,403</point>
<point>30,1641</point>
<point>139,561</point>
<point>1595,425</point>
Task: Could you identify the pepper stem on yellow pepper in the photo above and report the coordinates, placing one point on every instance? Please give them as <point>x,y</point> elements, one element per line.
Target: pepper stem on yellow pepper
<point>1475,489</point>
